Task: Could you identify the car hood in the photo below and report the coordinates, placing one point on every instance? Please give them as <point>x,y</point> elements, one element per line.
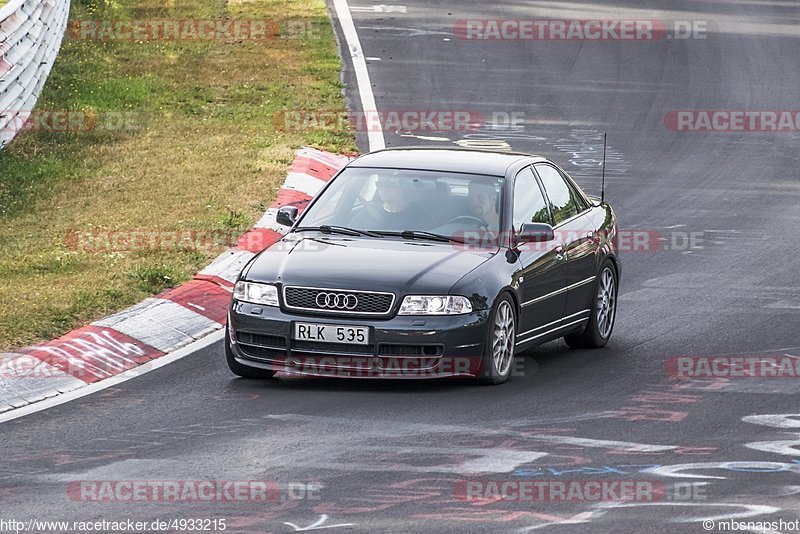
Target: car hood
<point>387,264</point>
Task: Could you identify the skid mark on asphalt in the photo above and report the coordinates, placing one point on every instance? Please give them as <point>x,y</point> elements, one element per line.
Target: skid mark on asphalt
<point>786,447</point>
<point>402,31</point>
<point>319,524</point>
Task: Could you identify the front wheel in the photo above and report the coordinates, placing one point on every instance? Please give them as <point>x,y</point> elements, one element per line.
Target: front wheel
<point>498,352</point>
<point>603,313</point>
<point>242,370</point>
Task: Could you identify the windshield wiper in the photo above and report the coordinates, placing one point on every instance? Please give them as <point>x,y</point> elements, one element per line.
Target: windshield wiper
<point>344,230</point>
<point>416,234</point>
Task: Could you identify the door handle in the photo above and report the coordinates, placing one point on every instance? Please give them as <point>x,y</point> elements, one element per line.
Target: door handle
<point>560,255</point>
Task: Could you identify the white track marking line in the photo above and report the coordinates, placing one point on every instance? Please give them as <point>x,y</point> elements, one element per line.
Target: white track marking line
<point>114,380</point>
<point>375,137</point>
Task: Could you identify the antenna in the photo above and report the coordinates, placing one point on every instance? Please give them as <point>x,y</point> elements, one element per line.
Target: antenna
<point>603,186</point>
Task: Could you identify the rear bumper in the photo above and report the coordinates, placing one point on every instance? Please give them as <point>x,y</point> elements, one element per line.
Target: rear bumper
<point>402,347</point>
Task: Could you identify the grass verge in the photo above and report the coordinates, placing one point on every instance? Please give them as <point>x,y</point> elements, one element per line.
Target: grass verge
<point>183,138</point>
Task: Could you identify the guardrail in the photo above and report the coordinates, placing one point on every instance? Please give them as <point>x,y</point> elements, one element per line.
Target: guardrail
<point>30,37</point>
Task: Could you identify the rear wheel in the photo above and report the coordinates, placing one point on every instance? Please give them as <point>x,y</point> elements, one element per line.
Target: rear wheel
<point>243,370</point>
<point>603,313</point>
<point>498,352</point>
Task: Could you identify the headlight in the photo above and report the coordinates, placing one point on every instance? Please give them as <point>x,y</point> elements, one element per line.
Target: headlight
<point>434,305</point>
<point>256,293</point>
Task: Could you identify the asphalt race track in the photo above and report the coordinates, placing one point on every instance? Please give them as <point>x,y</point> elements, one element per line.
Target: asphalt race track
<point>720,277</point>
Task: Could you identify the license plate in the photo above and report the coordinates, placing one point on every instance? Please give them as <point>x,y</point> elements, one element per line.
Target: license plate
<point>331,333</point>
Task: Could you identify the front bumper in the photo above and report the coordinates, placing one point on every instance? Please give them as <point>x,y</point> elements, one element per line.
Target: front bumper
<point>401,347</point>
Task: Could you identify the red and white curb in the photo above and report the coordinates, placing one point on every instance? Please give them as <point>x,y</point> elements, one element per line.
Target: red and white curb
<point>160,325</point>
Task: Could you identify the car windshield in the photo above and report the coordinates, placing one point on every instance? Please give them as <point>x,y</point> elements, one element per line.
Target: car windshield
<point>392,200</point>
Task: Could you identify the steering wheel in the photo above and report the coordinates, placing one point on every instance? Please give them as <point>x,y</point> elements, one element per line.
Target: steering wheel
<point>470,218</point>
<point>373,208</point>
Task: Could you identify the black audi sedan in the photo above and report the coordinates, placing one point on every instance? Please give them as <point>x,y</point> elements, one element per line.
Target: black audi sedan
<point>425,263</point>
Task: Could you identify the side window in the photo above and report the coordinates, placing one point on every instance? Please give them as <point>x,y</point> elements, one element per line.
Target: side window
<point>529,204</point>
<point>580,202</point>
<point>562,203</point>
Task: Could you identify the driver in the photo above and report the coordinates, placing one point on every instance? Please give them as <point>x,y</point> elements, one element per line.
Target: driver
<point>394,211</point>
<point>483,200</point>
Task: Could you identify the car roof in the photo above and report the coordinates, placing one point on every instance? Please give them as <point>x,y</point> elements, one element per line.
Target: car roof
<point>445,159</point>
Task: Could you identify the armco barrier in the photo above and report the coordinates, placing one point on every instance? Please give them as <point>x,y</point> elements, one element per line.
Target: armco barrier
<point>30,37</point>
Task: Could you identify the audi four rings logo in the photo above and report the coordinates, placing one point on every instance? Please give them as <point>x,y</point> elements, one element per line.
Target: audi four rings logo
<point>337,301</point>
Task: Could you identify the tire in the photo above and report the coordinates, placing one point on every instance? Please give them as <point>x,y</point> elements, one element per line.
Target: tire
<point>603,312</point>
<point>238,369</point>
<point>502,332</point>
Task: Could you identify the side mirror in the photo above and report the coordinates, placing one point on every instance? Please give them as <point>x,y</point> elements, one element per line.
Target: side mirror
<point>287,215</point>
<point>536,233</point>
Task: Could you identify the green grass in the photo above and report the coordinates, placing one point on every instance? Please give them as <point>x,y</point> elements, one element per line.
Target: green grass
<point>198,151</point>
<point>156,278</point>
